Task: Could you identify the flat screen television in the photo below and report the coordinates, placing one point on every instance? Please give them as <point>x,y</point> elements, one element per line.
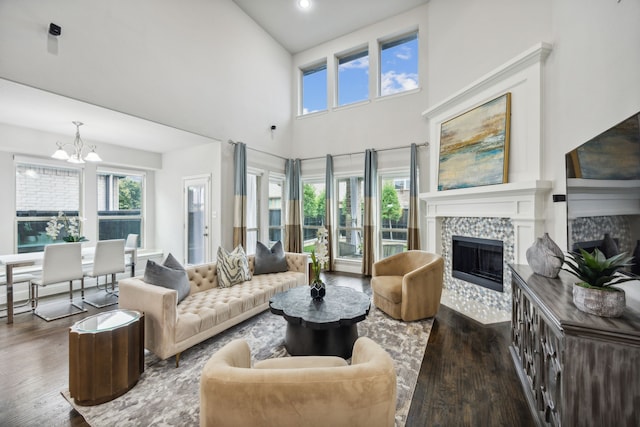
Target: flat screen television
<point>603,191</point>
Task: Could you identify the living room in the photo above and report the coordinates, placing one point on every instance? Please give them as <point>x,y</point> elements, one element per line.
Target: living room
<point>186,80</point>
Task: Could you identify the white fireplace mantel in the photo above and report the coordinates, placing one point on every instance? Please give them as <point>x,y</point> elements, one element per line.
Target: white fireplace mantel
<point>522,202</point>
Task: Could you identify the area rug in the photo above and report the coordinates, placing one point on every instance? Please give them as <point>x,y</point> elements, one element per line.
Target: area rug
<point>169,396</point>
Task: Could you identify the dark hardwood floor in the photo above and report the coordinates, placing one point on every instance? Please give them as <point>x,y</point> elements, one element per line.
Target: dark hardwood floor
<point>467,377</point>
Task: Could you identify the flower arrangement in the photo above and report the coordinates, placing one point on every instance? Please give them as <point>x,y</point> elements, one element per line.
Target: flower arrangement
<point>72,225</point>
<point>320,255</point>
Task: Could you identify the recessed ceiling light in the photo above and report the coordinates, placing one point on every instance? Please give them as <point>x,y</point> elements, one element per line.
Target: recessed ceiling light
<point>305,4</point>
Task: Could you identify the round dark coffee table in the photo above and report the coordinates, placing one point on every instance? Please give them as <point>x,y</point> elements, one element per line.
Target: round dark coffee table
<point>327,327</point>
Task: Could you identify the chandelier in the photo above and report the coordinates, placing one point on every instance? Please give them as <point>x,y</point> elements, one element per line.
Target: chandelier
<point>78,147</point>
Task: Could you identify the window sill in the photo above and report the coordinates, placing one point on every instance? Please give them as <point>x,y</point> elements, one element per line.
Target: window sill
<point>314,114</point>
<point>352,105</point>
<point>398,94</point>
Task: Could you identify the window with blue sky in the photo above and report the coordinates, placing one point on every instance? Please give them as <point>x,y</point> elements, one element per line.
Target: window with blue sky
<point>314,88</point>
<point>399,64</point>
<point>353,77</point>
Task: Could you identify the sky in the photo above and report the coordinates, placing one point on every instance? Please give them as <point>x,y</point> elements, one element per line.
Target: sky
<point>398,68</point>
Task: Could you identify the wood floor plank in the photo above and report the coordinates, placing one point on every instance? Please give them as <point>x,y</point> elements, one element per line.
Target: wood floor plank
<point>466,379</point>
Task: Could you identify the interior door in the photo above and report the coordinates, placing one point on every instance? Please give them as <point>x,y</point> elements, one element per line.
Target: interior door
<point>196,219</point>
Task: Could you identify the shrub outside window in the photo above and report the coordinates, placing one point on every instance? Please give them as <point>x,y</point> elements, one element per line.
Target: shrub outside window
<point>314,211</point>
<point>120,204</point>
<point>394,212</point>
<point>350,199</point>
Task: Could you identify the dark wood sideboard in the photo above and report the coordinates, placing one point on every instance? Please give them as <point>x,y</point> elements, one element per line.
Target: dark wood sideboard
<point>576,369</point>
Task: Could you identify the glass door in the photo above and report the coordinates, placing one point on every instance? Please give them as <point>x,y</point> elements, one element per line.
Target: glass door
<point>196,219</point>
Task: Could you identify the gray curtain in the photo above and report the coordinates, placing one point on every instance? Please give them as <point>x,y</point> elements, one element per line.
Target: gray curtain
<point>329,210</point>
<point>240,195</point>
<point>413,231</point>
<point>293,229</point>
<point>370,205</point>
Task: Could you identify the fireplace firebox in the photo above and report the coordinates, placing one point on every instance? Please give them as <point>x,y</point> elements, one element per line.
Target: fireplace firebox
<point>478,261</point>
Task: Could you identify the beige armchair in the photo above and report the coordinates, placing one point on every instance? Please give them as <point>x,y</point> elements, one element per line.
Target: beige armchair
<point>298,391</point>
<point>408,285</point>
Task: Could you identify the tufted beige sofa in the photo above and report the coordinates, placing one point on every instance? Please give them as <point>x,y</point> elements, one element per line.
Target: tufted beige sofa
<point>208,310</point>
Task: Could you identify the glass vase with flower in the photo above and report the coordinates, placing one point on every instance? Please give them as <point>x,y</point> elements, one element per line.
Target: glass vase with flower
<point>319,260</point>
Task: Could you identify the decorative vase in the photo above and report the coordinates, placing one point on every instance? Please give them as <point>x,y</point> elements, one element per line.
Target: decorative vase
<point>635,268</point>
<point>609,302</point>
<point>318,290</point>
<point>545,257</point>
<point>609,246</point>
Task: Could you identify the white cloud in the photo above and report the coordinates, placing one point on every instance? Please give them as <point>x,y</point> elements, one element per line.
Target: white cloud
<point>393,82</point>
<point>404,53</point>
<point>357,63</point>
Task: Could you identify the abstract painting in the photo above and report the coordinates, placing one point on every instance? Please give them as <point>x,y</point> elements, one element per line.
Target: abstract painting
<point>474,146</point>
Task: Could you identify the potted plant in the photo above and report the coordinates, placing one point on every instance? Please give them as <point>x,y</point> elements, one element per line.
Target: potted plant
<point>594,293</point>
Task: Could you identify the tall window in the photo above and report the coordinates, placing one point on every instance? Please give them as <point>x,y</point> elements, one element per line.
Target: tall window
<point>399,64</point>
<point>120,204</point>
<point>314,89</point>
<point>350,199</point>
<point>276,209</point>
<point>253,212</point>
<point>314,211</point>
<point>394,211</point>
<point>42,191</point>
<point>353,77</point>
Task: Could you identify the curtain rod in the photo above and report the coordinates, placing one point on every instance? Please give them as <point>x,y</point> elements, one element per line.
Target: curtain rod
<point>259,151</point>
<point>424,144</point>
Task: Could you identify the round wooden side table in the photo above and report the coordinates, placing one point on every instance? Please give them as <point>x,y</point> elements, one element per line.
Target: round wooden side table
<point>106,356</point>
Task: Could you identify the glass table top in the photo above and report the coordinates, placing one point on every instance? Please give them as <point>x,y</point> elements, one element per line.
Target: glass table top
<point>107,320</point>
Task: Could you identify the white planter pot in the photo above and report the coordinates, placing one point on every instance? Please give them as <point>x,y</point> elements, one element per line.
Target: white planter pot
<point>605,303</point>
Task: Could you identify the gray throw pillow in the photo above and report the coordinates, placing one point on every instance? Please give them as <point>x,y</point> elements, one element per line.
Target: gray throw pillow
<point>232,267</point>
<point>269,260</point>
<point>171,275</point>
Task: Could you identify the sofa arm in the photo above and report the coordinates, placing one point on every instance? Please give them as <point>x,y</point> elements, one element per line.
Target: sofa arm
<point>297,262</point>
<point>159,307</point>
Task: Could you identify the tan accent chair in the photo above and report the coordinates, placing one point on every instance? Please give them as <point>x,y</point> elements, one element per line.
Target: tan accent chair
<point>298,391</point>
<point>408,285</point>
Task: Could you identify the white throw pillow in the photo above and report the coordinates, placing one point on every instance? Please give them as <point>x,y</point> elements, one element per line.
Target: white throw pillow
<point>233,267</point>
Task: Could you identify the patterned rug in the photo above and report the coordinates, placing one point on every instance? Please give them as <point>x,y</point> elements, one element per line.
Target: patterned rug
<point>166,396</point>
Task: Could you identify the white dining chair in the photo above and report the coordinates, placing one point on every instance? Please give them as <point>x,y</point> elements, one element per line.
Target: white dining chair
<point>108,259</point>
<point>132,259</point>
<point>61,263</point>
<point>18,278</point>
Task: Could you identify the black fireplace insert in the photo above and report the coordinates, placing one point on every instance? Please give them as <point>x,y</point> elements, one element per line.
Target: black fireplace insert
<point>478,261</point>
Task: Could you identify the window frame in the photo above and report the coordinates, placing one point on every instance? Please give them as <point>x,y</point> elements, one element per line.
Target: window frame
<point>310,180</point>
<point>259,174</point>
<point>36,162</point>
<point>395,40</point>
<point>280,179</point>
<point>393,175</point>
<point>105,170</point>
<point>345,57</point>
<point>360,176</point>
<point>315,67</point>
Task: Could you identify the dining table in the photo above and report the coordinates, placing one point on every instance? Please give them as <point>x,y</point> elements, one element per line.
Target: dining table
<point>13,261</point>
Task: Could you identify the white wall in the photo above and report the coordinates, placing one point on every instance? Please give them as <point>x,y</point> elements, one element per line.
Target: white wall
<point>202,160</point>
<point>199,65</point>
<point>592,83</point>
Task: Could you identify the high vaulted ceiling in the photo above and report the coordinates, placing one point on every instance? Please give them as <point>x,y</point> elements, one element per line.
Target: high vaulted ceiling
<point>325,20</point>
